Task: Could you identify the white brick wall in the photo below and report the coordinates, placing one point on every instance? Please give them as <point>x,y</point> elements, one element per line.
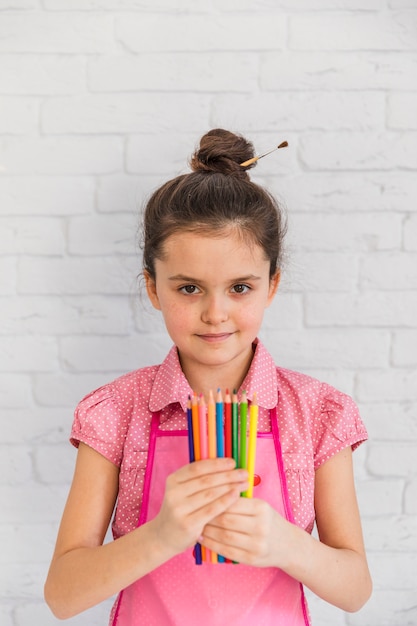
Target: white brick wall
<point>100,101</point>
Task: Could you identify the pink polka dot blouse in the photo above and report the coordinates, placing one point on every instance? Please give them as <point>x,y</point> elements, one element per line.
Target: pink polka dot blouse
<point>315,422</point>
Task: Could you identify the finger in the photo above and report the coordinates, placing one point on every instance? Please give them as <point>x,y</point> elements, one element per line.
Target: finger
<point>203,467</point>
<point>197,481</point>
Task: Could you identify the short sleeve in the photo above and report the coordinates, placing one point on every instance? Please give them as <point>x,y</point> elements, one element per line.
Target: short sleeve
<point>337,425</point>
<point>99,423</point>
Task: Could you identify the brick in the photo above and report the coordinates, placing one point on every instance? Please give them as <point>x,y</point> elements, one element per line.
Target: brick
<point>339,192</point>
<point>390,421</point>
<point>39,503</point>
<point>358,151</point>
<point>338,70</point>
<point>21,536</point>
<point>66,389</point>
<point>364,232</point>
<point>15,389</point>
<point>73,276</point>
<point>120,192</point>
<point>333,349</point>
<point>34,612</point>
<point>210,72</point>
<point>379,533</point>
<point>27,235</point>
<point>389,308</point>
<point>410,233</point>
<point>102,235</point>
<point>25,354</point>
<point>387,608</point>
<point>8,273</point>
<point>392,459</point>
<point>60,457</point>
<point>404,347</point>
<point>379,498</point>
<point>361,31</point>
<point>62,155</point>
<point>287,111</point>
<point>162,154</point>
<point>394,385</point>
<point>48,196</point>
<point>107,5</point>
<point>42,74</point>
<point>184,33</point>
<point>410,498</point>
<point>18,116</point>
<point>277,5</point>
<point>401,111</point>
<point>15,464</point>
<point>320,271</point>
<point>55,315</point>
<point>42,32</point>
<point>125,113</point>
<point>49,425</point>
<point>389,270</point>
<point>107,354</point>
<point>402,572</point>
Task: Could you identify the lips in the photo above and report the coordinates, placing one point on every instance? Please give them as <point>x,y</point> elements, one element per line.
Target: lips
<point>215,337</point>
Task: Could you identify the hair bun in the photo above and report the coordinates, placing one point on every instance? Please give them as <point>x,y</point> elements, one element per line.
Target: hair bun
<point>222,152</point>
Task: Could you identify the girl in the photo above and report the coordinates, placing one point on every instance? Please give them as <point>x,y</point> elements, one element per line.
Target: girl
<point>212,256</point>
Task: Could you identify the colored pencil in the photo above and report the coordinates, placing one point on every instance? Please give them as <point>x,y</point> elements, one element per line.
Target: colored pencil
<point>202,424</point>
<point>253,428</point>
<point>212,446</point>
<point>228,424</point>
<point>211,412</point>
<point>219,439</point>
<point>243,411</point>
<point>235,428</point>
<point>198,556</point>
<point>190,431</point>
<point>219,424</point>
<point>196,429</point>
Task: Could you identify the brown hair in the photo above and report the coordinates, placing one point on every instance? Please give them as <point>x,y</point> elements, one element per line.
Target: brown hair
<point>215,197</point>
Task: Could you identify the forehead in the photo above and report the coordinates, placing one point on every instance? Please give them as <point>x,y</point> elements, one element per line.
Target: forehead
<point>224,251</point>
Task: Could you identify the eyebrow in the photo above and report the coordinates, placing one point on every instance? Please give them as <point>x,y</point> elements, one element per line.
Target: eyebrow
<point>190,279</point>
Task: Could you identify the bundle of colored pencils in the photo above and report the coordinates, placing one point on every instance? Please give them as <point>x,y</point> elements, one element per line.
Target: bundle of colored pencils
<point>220,429</point>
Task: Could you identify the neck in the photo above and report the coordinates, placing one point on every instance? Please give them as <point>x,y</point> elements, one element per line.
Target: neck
<point>228,376</point>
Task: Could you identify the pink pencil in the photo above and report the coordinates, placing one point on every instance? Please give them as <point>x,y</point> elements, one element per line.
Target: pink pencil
<point>202,423</point>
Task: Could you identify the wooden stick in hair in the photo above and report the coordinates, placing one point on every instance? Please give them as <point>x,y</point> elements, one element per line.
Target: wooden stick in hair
<point>284,144</point>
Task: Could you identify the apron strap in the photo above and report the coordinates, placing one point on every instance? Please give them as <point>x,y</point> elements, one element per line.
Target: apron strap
<point>149,466</point>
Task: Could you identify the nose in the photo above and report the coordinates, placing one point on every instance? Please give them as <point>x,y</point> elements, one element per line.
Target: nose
<point>215,310</point>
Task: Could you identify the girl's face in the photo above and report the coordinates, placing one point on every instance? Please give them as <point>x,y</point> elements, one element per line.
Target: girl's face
<point>212,292</point>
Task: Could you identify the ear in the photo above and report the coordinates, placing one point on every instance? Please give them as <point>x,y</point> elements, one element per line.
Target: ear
<point>151,290</point>
<point>273,286</point>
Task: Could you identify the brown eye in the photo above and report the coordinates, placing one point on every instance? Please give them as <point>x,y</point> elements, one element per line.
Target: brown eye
<point>240,288</point>
<point>189,289</point>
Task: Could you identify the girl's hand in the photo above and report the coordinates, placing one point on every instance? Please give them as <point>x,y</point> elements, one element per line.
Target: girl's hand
<point>249,532</point>
<point>194,495</point>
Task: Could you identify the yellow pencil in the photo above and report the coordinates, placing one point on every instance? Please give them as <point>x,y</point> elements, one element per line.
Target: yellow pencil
<point>253,428</point>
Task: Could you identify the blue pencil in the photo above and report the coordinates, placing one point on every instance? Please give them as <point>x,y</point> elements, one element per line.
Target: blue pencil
<point>220,440</point>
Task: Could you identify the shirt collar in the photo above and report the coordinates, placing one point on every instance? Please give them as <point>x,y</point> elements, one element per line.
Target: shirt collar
<point>170,385</point>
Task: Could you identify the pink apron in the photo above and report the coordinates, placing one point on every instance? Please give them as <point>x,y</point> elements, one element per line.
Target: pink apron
<point>180,593</point>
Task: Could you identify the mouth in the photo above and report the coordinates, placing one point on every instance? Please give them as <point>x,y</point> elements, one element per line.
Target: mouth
<point>215,337</point>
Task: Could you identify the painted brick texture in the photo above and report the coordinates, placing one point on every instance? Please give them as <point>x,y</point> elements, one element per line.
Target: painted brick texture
<point>102,100</point>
